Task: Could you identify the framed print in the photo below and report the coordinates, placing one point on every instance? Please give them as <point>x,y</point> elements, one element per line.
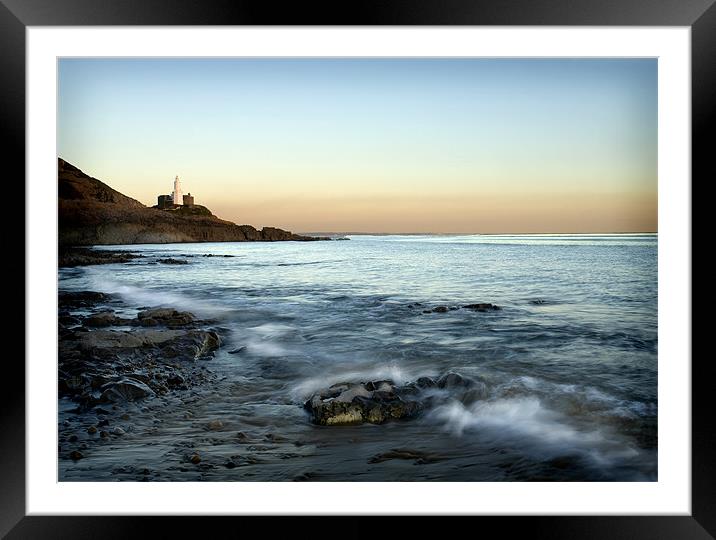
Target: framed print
<point>426,261</point>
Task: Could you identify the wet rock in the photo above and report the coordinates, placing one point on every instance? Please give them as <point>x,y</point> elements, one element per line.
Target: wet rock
<point>174,380</point>
<point>195,459</point>
<point>105,318</point>
<point>169,260</point>
<point>355,403</point>
<point>192,345</point>
<point>164,316</point>
<point>440,309</point>
<point>242,437</point>
<point>482,307</point>
<point>68,320</point>
<point>104,434</point>
<point>215,425</point>
<point>108,339</point>
<point>72,438</point>
<point>76,454</point>
<point>465,389</point>
<point>118,431</point>
<point>81,298</point>
<point>125,389</point>
<point>91,430</point>
<point>419,457</point>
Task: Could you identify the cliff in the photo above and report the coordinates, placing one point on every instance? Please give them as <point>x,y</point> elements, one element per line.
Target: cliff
<point>92,213</point>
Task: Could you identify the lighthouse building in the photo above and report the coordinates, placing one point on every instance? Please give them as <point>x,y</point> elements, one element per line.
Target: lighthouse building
<point>176,198</point>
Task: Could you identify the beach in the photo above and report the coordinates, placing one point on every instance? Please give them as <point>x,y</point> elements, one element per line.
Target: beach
<point>381,358</point>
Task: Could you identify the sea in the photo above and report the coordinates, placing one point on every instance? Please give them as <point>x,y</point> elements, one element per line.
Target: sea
<point>569,362</point>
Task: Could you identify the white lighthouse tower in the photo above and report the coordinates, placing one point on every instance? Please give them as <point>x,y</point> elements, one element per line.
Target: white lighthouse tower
<point>176,194</point>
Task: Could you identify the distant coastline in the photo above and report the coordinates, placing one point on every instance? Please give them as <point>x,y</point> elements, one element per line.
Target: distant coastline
<point>354,233</point>
<point>92,213</point>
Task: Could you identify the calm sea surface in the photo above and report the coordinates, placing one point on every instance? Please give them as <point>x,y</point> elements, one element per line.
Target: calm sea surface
<point>570,360</point>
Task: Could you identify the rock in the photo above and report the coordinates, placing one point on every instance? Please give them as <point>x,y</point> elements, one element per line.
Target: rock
<point>72,438</point>
<point>400,453</point>
<point>165,316</point>
<point>463,388</point>
<point>105,318</point>
<point>172,261</point>
<point>75,455</point>
<point>242,437</point>
<point>454,380</point>
<point>440,309</point>
<point>174,380</point>
<point>215,425</point>
<point>482,307</point>
<point>125,389</point>
<point>118,431</point>
<point>104,434</point>
<point>68,320</point>
<point>237,350</point>
<point>91,430</point>
<point>195,459</point>
<point>355,403</point>
<point>108,339</point>
<point>77,299</point>
<point>192,345</point>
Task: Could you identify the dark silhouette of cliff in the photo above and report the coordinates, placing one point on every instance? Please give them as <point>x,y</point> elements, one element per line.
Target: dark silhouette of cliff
<point>91,213</point>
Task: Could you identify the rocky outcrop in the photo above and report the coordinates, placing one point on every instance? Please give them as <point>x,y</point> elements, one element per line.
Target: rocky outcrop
<point>377,402</point>
<point>356,403</point>
<point>92,213</point>
<point>107,358</point>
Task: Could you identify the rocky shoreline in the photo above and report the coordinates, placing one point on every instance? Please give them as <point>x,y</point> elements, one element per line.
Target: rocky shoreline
<point>120,366</point>
<point>106,360</point>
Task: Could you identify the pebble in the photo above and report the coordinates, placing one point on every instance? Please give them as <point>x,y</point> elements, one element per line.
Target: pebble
<point>195,459</point>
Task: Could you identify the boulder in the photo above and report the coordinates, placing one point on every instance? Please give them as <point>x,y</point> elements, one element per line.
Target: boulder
<point>67,299</point>
<point>482,307</point>
<point>125,389</point>
<point>166,316</point>
<point>356,403</point>
<point>105,318</point>
<point>108,339</point>
<point>191,345</point>
<point>463,388</point>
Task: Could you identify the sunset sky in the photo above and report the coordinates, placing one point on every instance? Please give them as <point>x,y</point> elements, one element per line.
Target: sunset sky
<point>375,145</point>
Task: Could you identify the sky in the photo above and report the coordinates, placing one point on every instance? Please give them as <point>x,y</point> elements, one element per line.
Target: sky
<point>375,145</point>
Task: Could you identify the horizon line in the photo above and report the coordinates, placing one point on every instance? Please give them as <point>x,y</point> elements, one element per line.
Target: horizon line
<point>357,233</point>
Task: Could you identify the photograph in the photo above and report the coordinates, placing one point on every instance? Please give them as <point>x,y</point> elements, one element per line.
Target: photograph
<point>357,269</point>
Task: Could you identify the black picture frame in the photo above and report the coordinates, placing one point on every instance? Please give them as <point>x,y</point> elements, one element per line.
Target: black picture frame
<point>16,15</point>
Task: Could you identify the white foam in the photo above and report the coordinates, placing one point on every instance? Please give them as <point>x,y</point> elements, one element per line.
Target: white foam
<point>308,387</point>
<point>536,428</point>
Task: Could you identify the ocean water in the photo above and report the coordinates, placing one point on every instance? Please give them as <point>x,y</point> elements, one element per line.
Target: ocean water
<point>570,361</point>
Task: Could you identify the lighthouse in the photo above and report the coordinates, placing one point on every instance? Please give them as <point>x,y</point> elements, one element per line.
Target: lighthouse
<point>176,194</point>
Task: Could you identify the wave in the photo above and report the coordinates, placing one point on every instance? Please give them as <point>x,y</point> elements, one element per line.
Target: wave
<point>537,429</point>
